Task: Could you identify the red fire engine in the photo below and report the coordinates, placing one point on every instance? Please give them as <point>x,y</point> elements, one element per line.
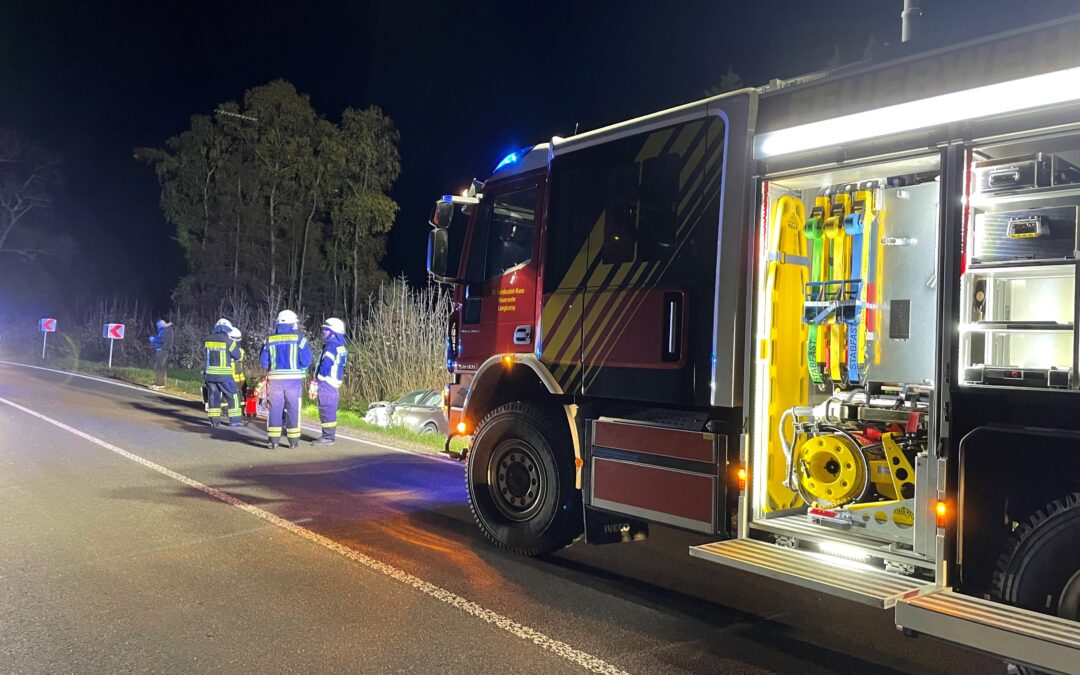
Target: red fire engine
<point>831,321</point>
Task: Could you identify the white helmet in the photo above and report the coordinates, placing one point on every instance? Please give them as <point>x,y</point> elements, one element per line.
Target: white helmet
<point>235,334</point>
<point>223,322</point>
<point>336,325</point>
<point>287,316</point>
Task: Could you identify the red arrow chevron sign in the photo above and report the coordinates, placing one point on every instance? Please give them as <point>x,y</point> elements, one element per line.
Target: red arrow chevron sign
<point>113,331</point>
<point>47,325</point>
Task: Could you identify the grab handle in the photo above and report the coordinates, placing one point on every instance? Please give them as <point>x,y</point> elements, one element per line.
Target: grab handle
<point>672,322</point>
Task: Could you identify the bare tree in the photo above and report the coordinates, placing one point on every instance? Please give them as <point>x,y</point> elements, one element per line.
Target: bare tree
<point>27,173</point>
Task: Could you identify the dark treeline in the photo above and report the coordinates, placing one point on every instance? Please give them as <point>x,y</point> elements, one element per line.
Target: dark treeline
<point>270,198</point>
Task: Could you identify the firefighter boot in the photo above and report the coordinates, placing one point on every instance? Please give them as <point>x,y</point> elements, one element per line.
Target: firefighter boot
<point>325,439</point>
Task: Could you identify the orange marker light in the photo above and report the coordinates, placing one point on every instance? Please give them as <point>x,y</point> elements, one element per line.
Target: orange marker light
<point>742,479</point>
<point>462,427</point>
<point>941,510</point>
<point>508,360</point>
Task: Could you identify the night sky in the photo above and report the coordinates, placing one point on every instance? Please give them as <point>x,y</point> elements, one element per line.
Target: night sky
<point>465,83</point>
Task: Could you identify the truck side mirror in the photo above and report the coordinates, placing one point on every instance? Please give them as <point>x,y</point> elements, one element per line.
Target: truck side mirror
<point>443,214</point>
<point>445,245</point>
<point>438,249</point>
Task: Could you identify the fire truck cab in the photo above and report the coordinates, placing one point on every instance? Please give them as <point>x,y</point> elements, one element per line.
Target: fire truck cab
<point>831,321</point>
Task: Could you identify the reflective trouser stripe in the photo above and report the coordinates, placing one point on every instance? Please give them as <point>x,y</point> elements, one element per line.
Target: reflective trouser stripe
<point>273,431</point>
<point>329,425</point>
<point>214,412</point>
<point>293,433</point>
<point>234,409</point>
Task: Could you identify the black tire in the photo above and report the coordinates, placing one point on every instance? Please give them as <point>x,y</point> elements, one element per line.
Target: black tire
<point>1040,568</point>
<point>521,481</point>
<point>429,428</point>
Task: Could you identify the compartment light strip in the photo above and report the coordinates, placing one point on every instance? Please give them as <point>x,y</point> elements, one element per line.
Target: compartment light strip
<point>992,99</point>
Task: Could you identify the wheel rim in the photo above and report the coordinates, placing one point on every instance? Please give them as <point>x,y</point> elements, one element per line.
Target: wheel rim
<point>1069,605</point>
<point>516,480</point>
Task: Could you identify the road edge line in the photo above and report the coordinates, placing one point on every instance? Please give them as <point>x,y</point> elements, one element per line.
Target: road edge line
<point>518,630</point>
<point>126,385</point>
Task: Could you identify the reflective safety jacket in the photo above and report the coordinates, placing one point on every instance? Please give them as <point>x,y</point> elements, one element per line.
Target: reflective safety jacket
<point>332,364</point>
<point>287,355</point>
<point>237,374</point>
<point>222,352</point>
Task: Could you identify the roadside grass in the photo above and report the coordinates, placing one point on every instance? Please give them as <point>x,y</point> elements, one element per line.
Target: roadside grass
<point>189,382</point>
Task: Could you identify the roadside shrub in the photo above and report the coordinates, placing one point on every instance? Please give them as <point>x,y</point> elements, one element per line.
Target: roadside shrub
<point>400,343</point>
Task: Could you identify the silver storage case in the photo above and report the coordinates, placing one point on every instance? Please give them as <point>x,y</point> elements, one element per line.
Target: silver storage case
<point>1008,234</point>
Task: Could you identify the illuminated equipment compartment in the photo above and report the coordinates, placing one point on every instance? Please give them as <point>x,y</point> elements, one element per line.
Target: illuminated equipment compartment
<point>1018,290</point>
<point>843,376</point>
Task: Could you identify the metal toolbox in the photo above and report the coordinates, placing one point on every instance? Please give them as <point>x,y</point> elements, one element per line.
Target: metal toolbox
<point>1026,172</point>
<point>1042,233</point>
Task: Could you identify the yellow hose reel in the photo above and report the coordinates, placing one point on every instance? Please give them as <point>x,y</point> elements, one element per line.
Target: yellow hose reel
<point>831,470</point>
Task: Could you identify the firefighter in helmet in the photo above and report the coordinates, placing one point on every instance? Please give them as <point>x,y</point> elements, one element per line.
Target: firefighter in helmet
<point>222,351</point>
<point>286,355</point>
<point>330,372</point>
<point>238,372</point>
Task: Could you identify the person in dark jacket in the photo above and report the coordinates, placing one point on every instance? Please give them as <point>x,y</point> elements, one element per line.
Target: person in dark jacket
<point>222,351</point>
<point>287,355</point>
<point>329,374</point>
<point>162,344</point>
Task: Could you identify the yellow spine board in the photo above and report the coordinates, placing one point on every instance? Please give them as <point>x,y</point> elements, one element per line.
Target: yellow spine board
<point>838,260</point>
<point>820,332</point>
<point>786,354</point>
<point>879,287</point>
<point>867,199</point>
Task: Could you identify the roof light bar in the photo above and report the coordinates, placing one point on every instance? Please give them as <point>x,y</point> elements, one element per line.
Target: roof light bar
<point>992,99</point>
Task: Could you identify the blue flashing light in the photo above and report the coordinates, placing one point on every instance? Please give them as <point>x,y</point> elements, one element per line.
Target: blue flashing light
<point>509,159</point>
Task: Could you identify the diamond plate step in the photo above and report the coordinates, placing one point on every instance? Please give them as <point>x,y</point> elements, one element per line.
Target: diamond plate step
<point>819,572</point>
<point>1014,634</point>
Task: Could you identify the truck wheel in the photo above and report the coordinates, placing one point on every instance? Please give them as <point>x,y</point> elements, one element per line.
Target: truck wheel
<point>1040,568</point>
<point>521,481</point>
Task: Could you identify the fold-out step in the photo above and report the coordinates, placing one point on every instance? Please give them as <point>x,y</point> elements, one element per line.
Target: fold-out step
<point>1019,635</point>
<point>811,570</point>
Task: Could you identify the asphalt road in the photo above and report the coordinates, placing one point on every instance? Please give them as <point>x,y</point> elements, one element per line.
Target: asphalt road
<point>147,544</point>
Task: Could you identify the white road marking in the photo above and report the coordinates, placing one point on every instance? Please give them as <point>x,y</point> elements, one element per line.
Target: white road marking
<point>136,387</point>
<point>541,640</point>
<point>312,429</point>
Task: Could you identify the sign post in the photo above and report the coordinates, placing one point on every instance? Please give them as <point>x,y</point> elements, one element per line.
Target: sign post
<point>114,332</point>
<point>46,326</point>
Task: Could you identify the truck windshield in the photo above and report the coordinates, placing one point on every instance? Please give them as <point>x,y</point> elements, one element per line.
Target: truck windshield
<point>503,233</point>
